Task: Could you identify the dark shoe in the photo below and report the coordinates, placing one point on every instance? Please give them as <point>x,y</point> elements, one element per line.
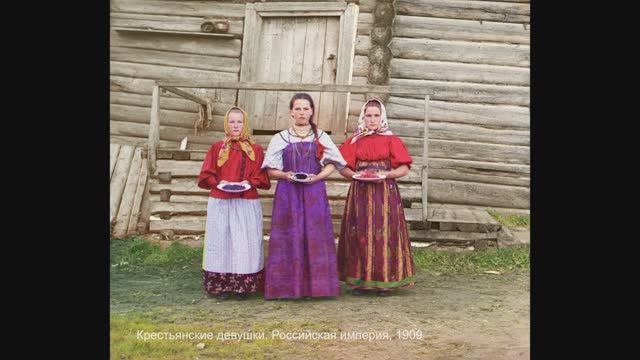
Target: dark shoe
<point>223,296</point>
<point>358,292</point>
<point>242,296</point>
<point>383,293</point>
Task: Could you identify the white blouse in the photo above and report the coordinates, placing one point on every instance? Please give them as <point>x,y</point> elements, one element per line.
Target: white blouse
<point>273,156</point>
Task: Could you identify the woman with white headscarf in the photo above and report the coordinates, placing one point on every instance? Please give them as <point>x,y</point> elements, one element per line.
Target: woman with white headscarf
<point>374,252</point>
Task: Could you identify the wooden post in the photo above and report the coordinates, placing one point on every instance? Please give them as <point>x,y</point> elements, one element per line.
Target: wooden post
<point>165,195</point>
<point>164,177</point>
<point>425,158</point>
<point>154,130</point>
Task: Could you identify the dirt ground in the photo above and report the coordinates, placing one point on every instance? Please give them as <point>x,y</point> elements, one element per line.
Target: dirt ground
<point>481,316</point>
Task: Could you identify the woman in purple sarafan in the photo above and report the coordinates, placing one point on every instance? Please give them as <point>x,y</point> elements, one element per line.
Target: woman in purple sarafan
<point>302,254</point>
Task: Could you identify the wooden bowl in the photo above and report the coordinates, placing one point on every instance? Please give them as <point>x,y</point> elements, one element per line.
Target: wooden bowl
<point>221,26</point>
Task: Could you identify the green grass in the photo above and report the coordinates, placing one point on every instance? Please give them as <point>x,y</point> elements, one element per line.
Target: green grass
<point>126,344</point>
<point>160,291</point>
<point>511,221</point>
<point>135,252</point>
<point>135,255</point>
<point>443,262</point>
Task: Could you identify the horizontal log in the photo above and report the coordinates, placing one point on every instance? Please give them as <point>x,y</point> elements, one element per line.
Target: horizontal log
<point>471,10</point>
<point>140,141</point>
<point>171,23</point>
<point>465,132</point>
<point>181,8</point>
<point>341,88</point>
<point>479,172</point>
<point>447,149</point>
<point>224,47</point>
<point>299,6</point>
<point>145,87</point>
<point>445,169</point>
<point>510,154</point>
<point>488,116</point>
<point>456,51</point>
<point>141,115</point>
<point>465,92</point>
<point>451,236</point>
<point>166,103</point>
<point>335,189</point>
<point>453,131</point>
<point>451,29</point>
<point>449,71</point>
<point>139,31</point>
<point>459,192</point>
<point>466,150</point>
<point>191,168</point>
<point>175,59</point>
<point>200,208</point>
<point>168,73</point>
<point>474,202</point>
<point>170,133</point>
<point>501,210</point>
<point>191,224</point>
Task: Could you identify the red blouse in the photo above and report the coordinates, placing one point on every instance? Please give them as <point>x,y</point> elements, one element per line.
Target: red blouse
<point>211,174</point>
<point>376,147</point>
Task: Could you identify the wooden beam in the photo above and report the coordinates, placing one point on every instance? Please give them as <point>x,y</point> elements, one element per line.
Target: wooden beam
<point>186,95</point>
<point>289,6</point>
<point>154,130</point>
<point>300,14</point>
<point>173,32</point>
<point>394,90</point>
<point>425,157</point>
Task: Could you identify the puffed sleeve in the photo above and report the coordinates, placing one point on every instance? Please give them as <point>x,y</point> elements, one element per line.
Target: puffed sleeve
<point>259,178</point>
<point>208,178</point>
<point>399,153</point>
<point>331,153</point>
<point>273,157</point>
<point>348,152</point>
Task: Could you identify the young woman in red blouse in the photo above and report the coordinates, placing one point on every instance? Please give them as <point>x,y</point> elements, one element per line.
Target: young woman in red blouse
<point>232,255</point>
<point>374,252</point>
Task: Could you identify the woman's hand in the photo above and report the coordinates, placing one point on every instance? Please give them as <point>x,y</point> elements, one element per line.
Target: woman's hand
<point>289,176</point>
<point>245,182</point>
<point>384,173</point>
<point>313,178</point>
<point>222,182</point>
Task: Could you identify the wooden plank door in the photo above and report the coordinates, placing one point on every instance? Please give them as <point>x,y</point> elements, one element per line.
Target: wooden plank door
<point>309,43</point>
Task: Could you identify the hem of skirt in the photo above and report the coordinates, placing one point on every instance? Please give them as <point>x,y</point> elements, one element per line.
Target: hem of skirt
<point>294,297</point>
<point>216,282</point>
<point>354,283</point>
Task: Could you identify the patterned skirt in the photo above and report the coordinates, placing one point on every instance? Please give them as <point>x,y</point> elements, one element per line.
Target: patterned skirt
<point>374,251</point>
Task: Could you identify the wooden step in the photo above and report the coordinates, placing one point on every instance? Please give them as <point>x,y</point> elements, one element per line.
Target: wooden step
<point>174,208</point>
<point>463,220</point>
<point>191,224</point>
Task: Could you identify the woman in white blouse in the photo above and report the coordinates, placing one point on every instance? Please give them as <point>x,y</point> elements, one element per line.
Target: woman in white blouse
<point>302,255</point>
